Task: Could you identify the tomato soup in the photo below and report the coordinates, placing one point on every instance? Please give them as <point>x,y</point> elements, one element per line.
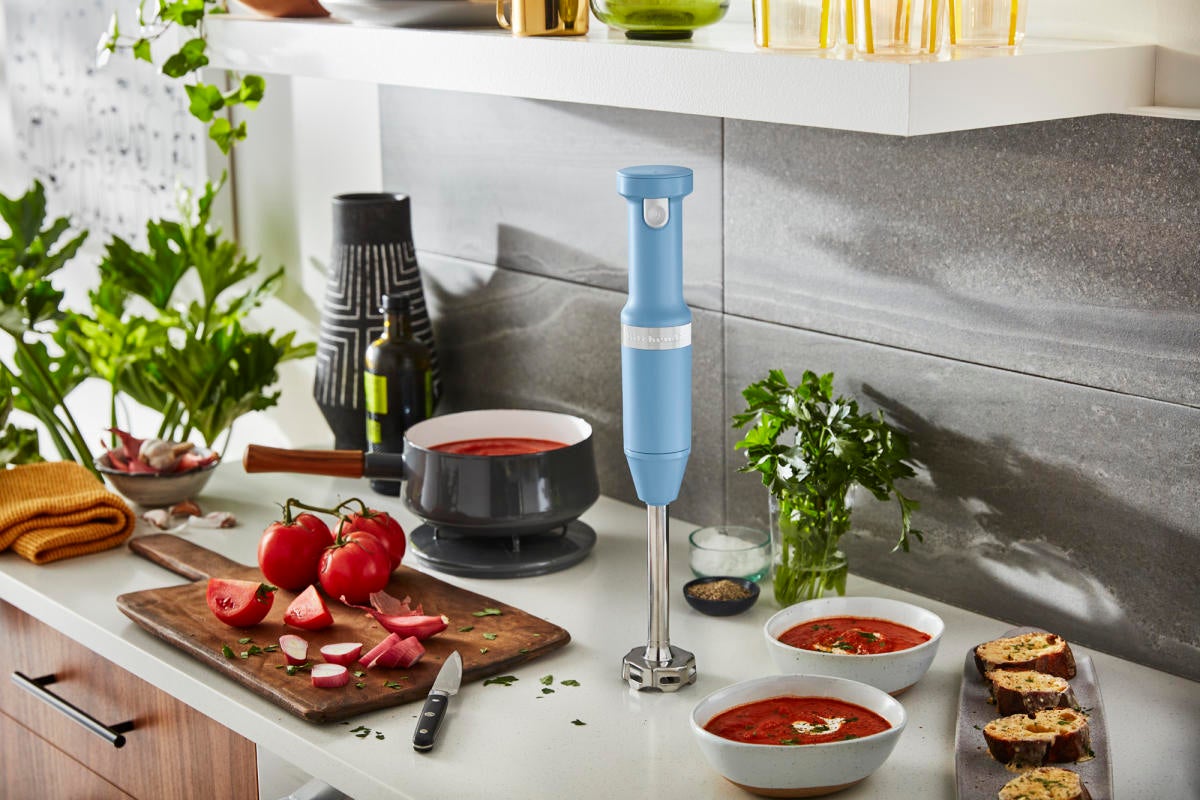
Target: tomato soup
<point>853,636</point>
<point>796,720</point>
<point>498,446</point>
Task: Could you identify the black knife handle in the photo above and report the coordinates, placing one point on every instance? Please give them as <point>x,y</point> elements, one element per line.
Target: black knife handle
<point>429,721</point>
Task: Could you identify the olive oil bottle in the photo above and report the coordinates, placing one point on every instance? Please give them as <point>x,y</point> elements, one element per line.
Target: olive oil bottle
<point>398,383</point>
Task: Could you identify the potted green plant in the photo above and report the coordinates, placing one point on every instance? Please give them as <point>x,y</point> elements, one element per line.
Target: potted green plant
<point>810,449</point>
<point>42,368</point>
<point>166,327</point>
<point>182,347</point>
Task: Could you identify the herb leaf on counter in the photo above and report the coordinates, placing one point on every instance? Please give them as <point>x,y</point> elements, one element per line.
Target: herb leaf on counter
<point>502,680</point>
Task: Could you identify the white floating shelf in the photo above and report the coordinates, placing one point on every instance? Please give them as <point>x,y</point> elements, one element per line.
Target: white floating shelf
<point>720,74</point>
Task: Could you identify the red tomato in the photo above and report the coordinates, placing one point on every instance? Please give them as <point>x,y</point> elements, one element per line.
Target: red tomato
<point>289,555</point>
<point>239,603</point>
<point>380,525</point>
<point>308,611</point>
<point>356,565</point>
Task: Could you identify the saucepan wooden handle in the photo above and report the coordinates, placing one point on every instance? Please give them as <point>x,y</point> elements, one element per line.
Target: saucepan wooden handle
<point>338,463</point>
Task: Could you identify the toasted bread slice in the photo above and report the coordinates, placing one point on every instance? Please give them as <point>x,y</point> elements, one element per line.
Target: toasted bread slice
<point>1045,783</point>
<point>1052,736</point>
<point>1040,652</point>
<point>1028,692</point>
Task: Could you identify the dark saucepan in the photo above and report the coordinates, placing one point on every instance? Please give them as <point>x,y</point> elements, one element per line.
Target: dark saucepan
<point>500,494</point>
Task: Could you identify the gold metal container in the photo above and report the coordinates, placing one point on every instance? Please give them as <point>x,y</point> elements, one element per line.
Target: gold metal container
<point>544,17</point>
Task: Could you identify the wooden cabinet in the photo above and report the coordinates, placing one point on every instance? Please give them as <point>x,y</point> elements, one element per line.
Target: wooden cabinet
<point>173,751</point>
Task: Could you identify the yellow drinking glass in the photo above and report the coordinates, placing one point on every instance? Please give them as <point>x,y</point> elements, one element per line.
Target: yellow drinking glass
<point>987,23</point>
<point>897,28</point>
<point>795,24</point>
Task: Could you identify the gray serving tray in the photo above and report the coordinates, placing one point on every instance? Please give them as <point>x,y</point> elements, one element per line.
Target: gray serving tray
<point>980,776</point>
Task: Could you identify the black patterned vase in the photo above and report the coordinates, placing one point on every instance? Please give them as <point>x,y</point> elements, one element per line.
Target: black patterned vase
<point>373,255</point>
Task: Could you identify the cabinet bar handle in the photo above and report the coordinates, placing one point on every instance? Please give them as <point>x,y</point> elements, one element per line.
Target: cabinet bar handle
<point>113,734</point>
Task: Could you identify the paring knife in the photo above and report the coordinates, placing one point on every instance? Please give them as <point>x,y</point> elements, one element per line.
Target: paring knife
<point>449,678</point>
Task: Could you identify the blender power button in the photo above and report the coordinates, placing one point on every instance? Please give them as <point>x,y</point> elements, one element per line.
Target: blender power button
<point>656,211</point>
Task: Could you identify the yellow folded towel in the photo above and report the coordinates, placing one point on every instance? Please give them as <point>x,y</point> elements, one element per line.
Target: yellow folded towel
<point>59,509</point>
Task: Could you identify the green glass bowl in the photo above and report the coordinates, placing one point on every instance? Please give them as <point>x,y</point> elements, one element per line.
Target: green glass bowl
<point>659,19</point>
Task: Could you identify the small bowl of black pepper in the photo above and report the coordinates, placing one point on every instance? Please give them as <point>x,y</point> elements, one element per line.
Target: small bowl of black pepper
<point>720,596</point>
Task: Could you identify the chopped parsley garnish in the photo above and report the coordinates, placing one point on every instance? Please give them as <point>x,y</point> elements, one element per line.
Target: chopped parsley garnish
<point>789,741</point>
<point>491,637</point>
<point>392,685</point>
<point>227,651</point>
<point>466,629</point>
<point>547,690</point>
<point>546,680</point>
<point>503,680</point>
<point>578,722</point>
<point>570,682</point>
<point>487,612</point>
<point>245,640</point>
<point>869,636</point>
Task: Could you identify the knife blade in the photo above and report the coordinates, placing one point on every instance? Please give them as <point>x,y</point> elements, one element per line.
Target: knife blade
<point>449,678</point>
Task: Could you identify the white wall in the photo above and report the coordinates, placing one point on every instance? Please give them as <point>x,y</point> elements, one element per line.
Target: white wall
<point>309,140</point>
<point>1172,24</point>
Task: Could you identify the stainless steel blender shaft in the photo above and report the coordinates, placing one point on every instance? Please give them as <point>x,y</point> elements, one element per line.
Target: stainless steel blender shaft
<point>658,642</point>
<point>658,665</point>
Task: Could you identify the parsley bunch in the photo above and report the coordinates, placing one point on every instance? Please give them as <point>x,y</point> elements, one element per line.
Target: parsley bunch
<point>810,448</point>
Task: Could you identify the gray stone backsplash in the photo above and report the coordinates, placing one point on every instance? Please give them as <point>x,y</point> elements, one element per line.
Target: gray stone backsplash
<point>511,340</point>
<point>1024,301</point>
<point>531,185</point>
<point>1042,503</point>
<point>1065,249</point>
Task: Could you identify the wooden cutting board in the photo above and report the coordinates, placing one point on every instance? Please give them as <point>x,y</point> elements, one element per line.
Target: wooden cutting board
<point>180,615</point>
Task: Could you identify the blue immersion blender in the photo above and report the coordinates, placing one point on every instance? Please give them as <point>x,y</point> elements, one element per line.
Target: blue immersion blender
<point>656,389</point>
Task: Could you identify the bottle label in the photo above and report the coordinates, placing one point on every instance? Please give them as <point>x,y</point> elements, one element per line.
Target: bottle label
<point>375,388</point>
<point>374,432</point>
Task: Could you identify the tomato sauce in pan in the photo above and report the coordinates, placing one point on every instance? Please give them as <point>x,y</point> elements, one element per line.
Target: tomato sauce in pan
<point>498,446</point>
<point>796,720</point>
<point>853,636</point>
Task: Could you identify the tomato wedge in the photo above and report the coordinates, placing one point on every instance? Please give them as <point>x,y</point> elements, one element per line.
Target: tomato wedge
<point>308,611</point>
<point>239,604</point>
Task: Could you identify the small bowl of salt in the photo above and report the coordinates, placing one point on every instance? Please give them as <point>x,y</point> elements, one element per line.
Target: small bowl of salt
<point>730,550</point>
<point>720,596</point>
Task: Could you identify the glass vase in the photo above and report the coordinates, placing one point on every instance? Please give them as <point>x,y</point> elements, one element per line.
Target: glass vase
<point>807,562</point>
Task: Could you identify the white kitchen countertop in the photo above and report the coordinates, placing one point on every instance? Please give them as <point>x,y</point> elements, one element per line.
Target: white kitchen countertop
<point>509,742</point>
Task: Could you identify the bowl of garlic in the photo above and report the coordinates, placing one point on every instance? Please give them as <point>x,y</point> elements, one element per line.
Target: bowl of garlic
<point>156,472</point>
